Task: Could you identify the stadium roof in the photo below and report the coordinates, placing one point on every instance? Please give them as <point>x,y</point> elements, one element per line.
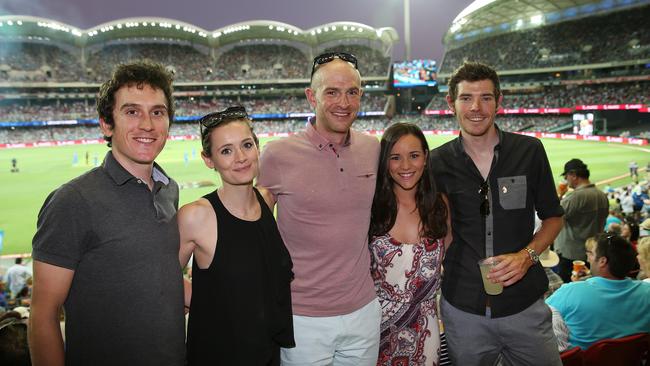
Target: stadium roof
<point>19,26</point>
<point>486,17</point>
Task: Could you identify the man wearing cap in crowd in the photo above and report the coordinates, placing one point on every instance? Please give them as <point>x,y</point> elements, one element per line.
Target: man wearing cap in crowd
<point>585,212</point>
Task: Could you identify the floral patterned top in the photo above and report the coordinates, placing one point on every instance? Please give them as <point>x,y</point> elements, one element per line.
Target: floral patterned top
<point>407,277</point>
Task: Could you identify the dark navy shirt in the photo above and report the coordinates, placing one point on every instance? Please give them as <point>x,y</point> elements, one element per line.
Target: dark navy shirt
<point>520,183</point>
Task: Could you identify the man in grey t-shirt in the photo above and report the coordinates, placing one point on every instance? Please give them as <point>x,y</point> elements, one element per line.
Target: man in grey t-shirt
<point>106,245</point>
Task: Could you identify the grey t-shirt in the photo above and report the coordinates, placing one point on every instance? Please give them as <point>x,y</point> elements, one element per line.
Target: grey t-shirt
<point>125,304</point>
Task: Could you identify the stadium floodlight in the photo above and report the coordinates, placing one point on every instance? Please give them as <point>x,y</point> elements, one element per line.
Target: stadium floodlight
<point>9,22</point>
<point>271,27</point>
<point>333,27</point>
<point>537,19</point>
<point>19,22</point>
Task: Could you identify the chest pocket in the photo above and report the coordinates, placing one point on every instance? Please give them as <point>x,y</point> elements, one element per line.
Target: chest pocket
<point>512,192</point>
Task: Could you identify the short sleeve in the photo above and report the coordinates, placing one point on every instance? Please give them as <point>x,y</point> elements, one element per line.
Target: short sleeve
<point>63,228</point>
<point>558,299</point>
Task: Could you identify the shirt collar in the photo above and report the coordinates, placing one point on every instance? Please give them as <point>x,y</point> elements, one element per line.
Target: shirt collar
<point>613,284</point>
<point>319,140</point>
<point>458,143</point>
<point>584,186</point>
<point>121,175</point>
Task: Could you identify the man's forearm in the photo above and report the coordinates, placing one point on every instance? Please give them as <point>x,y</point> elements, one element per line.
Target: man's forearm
<point>45,340</point>
<point>547,233</point>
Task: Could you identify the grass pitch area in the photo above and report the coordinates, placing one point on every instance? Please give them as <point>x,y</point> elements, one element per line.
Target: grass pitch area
<point>46,168</point>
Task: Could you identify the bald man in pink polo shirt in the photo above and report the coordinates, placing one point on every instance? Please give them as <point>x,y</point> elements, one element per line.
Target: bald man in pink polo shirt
<point>323,180</point>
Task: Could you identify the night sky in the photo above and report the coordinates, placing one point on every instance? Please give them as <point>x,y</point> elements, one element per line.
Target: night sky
<point>430,19</point>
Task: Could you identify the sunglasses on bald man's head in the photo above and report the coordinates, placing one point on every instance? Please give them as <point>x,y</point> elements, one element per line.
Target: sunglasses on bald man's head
<point>226,115</point>
<point>330,56</point>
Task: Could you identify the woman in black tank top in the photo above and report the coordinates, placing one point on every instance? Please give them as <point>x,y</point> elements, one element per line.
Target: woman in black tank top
<point>240,308</point>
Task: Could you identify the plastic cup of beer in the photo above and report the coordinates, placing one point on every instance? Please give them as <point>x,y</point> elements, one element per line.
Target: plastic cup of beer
<point>579,266</point>
<point>485,265</point>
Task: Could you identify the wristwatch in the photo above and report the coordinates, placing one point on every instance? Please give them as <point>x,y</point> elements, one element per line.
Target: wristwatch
<point>532,254</point>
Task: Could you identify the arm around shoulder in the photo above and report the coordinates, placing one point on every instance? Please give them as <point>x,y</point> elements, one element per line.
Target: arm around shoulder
<point>51,286</point>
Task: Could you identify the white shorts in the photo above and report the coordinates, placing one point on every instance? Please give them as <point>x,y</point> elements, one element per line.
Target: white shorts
<point>350,339</point>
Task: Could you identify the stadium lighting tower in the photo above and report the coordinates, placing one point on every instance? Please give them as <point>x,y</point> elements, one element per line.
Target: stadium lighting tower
<point>407,28</point>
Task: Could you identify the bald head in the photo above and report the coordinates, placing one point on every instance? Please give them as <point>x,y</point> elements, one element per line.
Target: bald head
<point>334,67</point>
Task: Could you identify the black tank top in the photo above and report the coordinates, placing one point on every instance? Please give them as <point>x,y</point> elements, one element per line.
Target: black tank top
<point>240,312</point>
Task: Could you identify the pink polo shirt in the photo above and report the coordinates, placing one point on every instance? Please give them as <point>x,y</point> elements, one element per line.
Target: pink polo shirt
<point>324,194</point>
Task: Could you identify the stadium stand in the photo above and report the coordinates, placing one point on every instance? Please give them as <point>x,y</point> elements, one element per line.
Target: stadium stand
<point>26,60</point>
<point>618,36</point>
<point>568,95</point>
<point>186,62</point>
<point>262,61</point>
<point>371,62</point>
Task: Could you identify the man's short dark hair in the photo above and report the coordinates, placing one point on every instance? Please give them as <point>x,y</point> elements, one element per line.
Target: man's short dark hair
<point>473,71</point>
<point>619,253</point>
<point>138,73</point>
<point>19,260</point>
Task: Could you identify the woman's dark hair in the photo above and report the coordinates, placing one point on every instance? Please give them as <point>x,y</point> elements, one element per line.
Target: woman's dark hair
<point>430,205</point>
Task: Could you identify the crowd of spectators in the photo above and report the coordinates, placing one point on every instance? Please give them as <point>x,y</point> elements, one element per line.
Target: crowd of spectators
<point>568,96</point>
<point>186,62</point>
<point>46,110</point>
<point>59,110</point>
<point>34,61</point>
<point>619,36</point>
<point>37,62</point>
<point>262,61</point>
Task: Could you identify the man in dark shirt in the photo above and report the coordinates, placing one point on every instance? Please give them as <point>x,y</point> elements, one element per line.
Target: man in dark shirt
<point>106,245</point>
<point>495,182</point>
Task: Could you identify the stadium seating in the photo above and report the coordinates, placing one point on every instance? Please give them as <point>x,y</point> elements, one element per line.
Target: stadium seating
<point>572,357</point>
<point>371,62</point>
<point>596,39</point>
<point>626,351</point>
<point>262,61</point>
<point>37,62</point>
<point>186,62</point>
